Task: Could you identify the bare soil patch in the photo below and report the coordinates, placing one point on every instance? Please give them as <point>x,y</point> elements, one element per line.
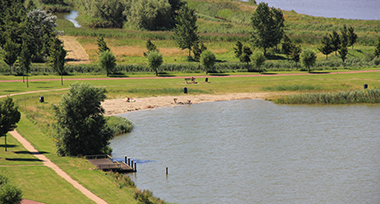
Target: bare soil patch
<point>76,54</point>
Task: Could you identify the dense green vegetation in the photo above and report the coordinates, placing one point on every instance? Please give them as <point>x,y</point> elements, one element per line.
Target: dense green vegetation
<point>342,97</point>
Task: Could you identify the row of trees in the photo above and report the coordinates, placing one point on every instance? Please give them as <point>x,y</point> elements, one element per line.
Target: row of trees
<point>141,14</point>
<point>28,35</point>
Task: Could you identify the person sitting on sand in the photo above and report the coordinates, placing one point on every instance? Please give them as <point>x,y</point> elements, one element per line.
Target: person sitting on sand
<point>128,100</point>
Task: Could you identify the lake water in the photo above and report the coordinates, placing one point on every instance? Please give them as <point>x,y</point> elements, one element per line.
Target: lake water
<point>254,151</point>
<point>349,9</point>
<point>70,16</point>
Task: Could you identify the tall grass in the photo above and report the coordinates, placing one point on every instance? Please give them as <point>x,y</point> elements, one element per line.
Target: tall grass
<point>343,97</point>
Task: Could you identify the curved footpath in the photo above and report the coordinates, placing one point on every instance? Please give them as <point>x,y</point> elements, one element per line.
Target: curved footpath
<point>47,162</point>
<point>182,77</point>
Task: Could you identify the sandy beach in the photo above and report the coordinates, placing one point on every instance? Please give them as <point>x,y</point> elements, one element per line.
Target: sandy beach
<point>118,106</point>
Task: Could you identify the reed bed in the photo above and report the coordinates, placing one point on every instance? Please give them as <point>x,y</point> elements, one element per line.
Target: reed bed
<point>343,97</point>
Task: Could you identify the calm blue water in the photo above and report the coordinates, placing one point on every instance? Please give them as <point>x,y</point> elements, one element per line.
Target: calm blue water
<point>254,151</point>
<point>349,9</point>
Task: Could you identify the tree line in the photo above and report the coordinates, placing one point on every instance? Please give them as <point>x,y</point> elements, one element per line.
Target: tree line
<point>28,34</point>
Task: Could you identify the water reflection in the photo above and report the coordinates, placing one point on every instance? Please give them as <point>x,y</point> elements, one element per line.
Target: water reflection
<point>253,151</point>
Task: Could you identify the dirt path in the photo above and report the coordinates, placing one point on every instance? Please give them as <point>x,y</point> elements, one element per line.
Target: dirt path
<point>76,54</point>
<point>53,166</point>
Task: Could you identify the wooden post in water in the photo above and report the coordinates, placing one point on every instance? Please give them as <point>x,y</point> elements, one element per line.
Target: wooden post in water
<point>167,170</point>
<point>135,167</point>
<point>131,163</point>
<point>125,159</point>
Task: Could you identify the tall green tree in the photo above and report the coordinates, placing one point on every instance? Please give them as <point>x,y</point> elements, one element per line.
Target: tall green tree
<point>335,42</point>
<point>197,49</point>
<point>208,60</point>
<point>246,56</point>
<point>57,57</point>
<point>238,49</point>
<point>154,61</point>
<point>186,30</point>
<point>102,45</point>
<point>258,59</point>
<point>343,53</point>
<point>81,127</point>
<point>295,52</point>
<point>326,46</point>
<point>150,47</point>
<point>286,46</point>
<point>377,48</point>
<point>11,52</point>
<point>107,61</point>
<point>344,36</point>
<point>150,14</point>
<point>308,58</point>
<point>9,116</point>
<point>267,24</point>
<point>352,37</point>
<point>25,56</point>
<point>110,12</point>
<point>42,27</point>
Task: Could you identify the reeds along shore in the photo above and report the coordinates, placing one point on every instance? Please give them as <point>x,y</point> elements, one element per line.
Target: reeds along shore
<point>343,97</point>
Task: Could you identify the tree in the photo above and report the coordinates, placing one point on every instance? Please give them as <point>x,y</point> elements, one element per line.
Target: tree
<point>154,60</point>
<point>25,57</point>
<point>286,46</point>
<point>150,47</point>
<point>344,36</point>
<point>57,57</point>
<point>238,49</point>
<point>111,12</point>
<point>295,52</point>
<point>198,49</point>
<point>11,52</point>
<point>81,127</point>
<point>335,41</point>
<point>41,26</point>
<point>186,30</point>
<point>343,53</point>
<point>352,37</point>
<point>208,60</point>
<point>377,48</point>
<point>9,117</point>
<point>150,14</point>
<point>245,57</point>
<point>268,25</point>
<point>258,59</point>
<point>308,58</point>
<point>8,192</point>
<point>102,45</point>
<point>107,61</point>
<point>326,46</point>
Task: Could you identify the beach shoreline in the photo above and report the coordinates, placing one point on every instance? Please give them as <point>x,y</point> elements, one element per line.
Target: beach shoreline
<point>119,106</point>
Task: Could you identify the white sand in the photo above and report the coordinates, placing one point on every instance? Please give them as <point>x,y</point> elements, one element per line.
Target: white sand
<point>118,106</point>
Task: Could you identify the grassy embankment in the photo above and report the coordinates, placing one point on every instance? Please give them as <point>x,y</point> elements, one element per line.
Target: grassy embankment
<point>41,184</point>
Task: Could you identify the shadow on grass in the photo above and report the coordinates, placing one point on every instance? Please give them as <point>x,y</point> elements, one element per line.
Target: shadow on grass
<point>8,146</point>
<point>23,159</point>
<point>165,74</point>
<point>32,153</point>
<point>268,73</point>
<point>11,91</point>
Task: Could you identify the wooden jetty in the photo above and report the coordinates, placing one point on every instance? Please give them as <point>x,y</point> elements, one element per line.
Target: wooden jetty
<point>105,162</point>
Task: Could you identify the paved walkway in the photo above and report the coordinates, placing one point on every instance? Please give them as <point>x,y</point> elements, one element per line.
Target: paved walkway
<point>59,171</point>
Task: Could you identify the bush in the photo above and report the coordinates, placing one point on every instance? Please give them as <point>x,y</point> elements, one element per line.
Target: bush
<point>119,125</point>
